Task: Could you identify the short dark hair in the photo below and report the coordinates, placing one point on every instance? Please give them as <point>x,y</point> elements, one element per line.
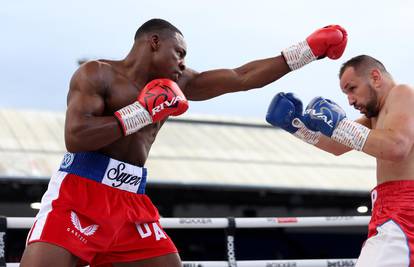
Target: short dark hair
<point>362,64</point>
<point>156,25</point>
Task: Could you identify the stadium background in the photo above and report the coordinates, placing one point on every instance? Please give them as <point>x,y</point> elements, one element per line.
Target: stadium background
<point>208,166</point>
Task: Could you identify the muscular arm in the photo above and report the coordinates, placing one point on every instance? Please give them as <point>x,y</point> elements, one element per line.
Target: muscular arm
<point>329,41</point>
<point>331,146</point>
<point>393,140</point>
<point>255,74</point>
<point>86,128</point>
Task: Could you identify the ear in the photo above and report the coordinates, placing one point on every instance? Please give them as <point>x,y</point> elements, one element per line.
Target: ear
<point>155,42</point>
<point>376,77</point>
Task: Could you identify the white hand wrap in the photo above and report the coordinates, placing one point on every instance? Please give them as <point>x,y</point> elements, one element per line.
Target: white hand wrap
<point>298,55</point>
<point>351,134</point>
<point>304,133</point>
<point>133,117</point>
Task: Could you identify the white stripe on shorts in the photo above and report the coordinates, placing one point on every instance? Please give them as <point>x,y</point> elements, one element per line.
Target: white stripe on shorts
<point>51,194</point>
<point>388,248</point>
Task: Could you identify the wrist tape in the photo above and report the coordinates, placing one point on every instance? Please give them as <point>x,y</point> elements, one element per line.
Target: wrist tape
<point>298,55</point>
<point>133,117</point>
<point>304,133</point>
<point>351,134</point>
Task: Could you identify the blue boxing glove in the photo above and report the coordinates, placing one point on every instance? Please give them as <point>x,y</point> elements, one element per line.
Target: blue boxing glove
<point>329,118</point>
<point>286,112</point>
<point>323,115</point>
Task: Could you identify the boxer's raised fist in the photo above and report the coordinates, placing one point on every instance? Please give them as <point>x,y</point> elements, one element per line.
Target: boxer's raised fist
<point>159,99</point>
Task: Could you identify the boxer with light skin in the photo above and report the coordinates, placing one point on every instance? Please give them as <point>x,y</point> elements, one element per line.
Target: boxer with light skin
<point>95,210</point>
<point>385,131</point>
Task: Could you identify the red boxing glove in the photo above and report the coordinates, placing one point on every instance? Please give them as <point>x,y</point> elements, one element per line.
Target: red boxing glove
<point>328,41</point>
<point>163,97</point>
<point>159,99</point>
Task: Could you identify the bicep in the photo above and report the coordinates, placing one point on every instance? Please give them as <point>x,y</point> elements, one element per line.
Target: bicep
<point>393,136</point>
<point>400,121</point>
<point>85,98</point>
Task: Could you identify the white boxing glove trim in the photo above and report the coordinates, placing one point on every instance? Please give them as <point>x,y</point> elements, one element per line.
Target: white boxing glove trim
<point>351,134</point>
<point>298,55</point>
<point>304,133</point>
<point>133,117</point>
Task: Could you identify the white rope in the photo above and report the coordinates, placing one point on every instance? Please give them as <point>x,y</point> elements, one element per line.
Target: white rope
<point>264,263</point>
<point>260,222</point>
<point>264,222</point>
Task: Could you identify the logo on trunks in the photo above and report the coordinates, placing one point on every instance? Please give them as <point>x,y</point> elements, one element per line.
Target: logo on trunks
<point>120,178</point>
<point>145,231</point>
<point>80,231</point>
<point>67,160</point>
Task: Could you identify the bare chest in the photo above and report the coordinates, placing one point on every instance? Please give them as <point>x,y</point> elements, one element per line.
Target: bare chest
<point>135,147</point>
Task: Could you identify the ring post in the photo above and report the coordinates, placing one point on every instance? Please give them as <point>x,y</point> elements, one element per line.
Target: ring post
<point>231,252</point>
<point>3,229</point>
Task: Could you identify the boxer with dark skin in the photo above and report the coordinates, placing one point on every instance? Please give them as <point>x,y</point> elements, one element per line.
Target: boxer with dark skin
<point>98,89</point>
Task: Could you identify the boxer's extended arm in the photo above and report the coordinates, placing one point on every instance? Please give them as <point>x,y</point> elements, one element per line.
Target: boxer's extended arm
<point>86,128</point>
<point>256,74</point>
<point>329,41</point>
<point>394,140</point>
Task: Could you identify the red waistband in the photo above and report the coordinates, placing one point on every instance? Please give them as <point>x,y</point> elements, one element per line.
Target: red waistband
<point>394,193</point>
<point>394,185</point>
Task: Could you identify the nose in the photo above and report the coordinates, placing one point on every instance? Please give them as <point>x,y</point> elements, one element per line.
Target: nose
<point>181,65</point>
<point>351,99</point>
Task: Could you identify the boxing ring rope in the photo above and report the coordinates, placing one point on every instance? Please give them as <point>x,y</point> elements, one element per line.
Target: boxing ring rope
<point>230,224</point>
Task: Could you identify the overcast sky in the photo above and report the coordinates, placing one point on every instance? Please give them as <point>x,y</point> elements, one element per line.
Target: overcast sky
<point>42,40</point>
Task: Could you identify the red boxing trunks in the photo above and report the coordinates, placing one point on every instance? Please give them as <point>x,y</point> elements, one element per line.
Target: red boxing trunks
<point>391,229</point>
<point>96,208</point>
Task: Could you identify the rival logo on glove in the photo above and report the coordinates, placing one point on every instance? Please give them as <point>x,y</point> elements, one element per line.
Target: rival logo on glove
<point>168,104</point>
<point>321,116</point>
<point>152,101</point>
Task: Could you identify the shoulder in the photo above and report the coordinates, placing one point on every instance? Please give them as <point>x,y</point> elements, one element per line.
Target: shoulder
<point>401,91</point>
<point>92,74</point>
<point>93,70</point>
<point>186,78</point>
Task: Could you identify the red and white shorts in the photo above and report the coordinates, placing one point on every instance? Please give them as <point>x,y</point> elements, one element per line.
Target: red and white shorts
<point>96,208</point>
<point>390,240</point>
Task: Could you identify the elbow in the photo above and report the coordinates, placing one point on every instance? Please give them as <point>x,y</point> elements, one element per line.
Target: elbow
<point>397,153</point>
<point>72,145</point>
<point>74,142</point>
<point>338,153</point>
<point>396,157</point>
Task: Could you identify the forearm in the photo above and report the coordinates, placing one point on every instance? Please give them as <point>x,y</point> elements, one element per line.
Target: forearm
<point>91,133</point>
<point>260,73</point>
<point>255,74</point>
<point>331,146</point>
